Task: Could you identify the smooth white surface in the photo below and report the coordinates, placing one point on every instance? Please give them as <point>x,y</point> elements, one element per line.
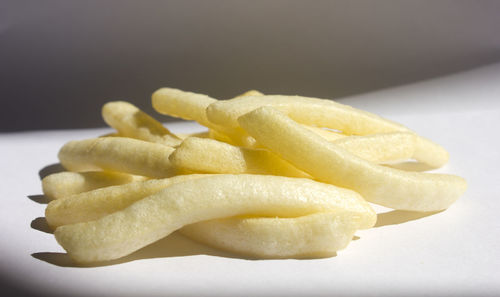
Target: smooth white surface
<point>451,253</point>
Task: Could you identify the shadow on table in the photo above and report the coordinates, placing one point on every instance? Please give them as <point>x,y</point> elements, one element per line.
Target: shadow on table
<point>410,166</point>
<point>395,217</point>
<point>41,224</point>
<point>40,199</point>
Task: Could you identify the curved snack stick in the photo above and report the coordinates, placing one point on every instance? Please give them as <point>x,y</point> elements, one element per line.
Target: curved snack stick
<point>394,146</point>
<point>327,113</point>
<point>388,147</point>
<point>212,156</point>
<point>132,122</point>
<point>250,93</point>
<point>311,236</point>
<point>316,235</point>
<point>219,196</point>
<point>332,164</point>
<point>118,154</point>
<point>259,237</point>
<point>93,205</point>
<point>184,105</point>
<point>191,106</point>
<point>64,184</point>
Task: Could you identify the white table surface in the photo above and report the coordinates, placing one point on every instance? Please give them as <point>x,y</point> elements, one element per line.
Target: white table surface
<point>452,253</point>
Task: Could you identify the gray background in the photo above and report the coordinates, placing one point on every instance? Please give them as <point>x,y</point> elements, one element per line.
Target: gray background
<point>61,60</point>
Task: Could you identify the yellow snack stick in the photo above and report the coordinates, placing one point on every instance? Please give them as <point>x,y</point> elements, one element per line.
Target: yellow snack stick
<point>120,154</point>
<point>305,110</point>
<point>310,236</point>
<point>219,196</point>
<point>212,156</point>
<point>92,205</point>
<point>250,93</point>
<point>184,105</point>
<point>63,184</point>
<point>394,146</point>
<point>191,106</point>
<point>132,122</point>
<point>330,163</point>
<point>317,235</point>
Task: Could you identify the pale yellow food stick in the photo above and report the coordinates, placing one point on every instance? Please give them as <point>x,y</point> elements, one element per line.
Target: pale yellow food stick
<point>259,237</point>
<point>181,104</point>
<point>118,154</point>
<point>394,146</point>
<point>218,196</point>
<point>132,122</point>
<point>429,152</point>
<point>332,164</point>
<point>191,106</point>
<point>305,110</point>
<point>92,205</point>
<point>316,235</point>
<point>187,105</point>
<point>64,184</point>
<point>311,236</point>
<point>212,156</point>
<point>250,93</point>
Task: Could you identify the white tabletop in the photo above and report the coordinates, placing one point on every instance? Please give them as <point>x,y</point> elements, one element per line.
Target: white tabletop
<point>452,253</point>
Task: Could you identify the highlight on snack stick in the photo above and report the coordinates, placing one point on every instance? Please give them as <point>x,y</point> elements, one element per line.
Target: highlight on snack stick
<point>219,196</point>
<point>212,156</point>
<point>64,184</point>
<point>330,163</point>
<point>132,122</point>
<point>311,236</point>
<point>394,146</point>
<point>388,147</point>
<point>120,154</point>
<point>93,205</point>
<point>327,113</point>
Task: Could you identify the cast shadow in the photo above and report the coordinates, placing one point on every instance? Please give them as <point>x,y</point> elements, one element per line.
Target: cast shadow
<point>41,199</point>
<point>50,169</point>
<point>41,224</point>
<point>410,166</point>
<point>174,245</point>
<point>401,216</point>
